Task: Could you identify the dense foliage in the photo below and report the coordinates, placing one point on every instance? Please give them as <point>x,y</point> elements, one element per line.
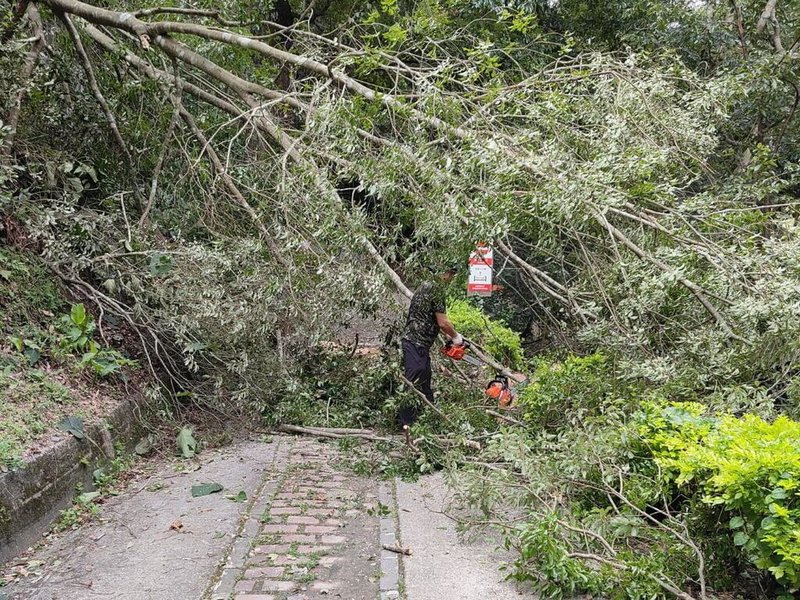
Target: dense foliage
<point>238,184</point>
<point>746,465</point>
<point>500,341</point>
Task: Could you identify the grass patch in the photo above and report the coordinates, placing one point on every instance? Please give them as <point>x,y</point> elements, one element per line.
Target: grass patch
<point>31,402</point>
<point>105,479</point>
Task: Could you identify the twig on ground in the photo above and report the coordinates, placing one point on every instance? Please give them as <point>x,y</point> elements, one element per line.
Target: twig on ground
<point>397,549</point>
<point>504,418</point>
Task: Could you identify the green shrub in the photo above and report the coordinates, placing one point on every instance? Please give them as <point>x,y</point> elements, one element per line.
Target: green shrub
<point>500,341</point>
<point>74,334</point>
<point>560,392</point>
<point>549,558</point>
<point>334,389</point>
<point>77,329</point>
<point>748,466</point>
<point>670,430</point>
<point>545,561</point>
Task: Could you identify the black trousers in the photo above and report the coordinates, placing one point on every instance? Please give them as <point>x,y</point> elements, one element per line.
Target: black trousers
<point>417,368</point>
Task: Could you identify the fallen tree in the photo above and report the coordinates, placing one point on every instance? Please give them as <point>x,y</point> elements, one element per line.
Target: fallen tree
<point>237,189</point>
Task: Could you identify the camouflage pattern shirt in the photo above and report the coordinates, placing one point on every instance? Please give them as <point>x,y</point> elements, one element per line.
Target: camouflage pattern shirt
<point>421,326</point>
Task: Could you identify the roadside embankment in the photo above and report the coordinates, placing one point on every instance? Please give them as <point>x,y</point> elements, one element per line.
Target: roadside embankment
<point>32,495</point>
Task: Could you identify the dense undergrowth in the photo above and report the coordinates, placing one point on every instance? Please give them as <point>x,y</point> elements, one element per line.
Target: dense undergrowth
<point>604,485</point>
<point>612,489</point>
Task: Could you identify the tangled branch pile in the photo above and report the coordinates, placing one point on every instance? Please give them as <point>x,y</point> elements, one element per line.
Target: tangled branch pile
<point>237,182</point>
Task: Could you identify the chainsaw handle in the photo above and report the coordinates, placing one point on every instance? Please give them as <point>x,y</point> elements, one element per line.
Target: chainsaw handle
<point>499,378</point>
<point>465,344</point>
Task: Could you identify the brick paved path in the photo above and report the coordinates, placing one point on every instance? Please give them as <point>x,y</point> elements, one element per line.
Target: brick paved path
<point>312,532</point>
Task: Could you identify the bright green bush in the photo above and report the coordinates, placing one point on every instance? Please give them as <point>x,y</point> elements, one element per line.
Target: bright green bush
<point>748,466</point>
<point>670,430</point>
<point>500,341</point>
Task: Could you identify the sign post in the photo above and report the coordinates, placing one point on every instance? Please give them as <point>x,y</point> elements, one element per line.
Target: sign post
<point>480,271</point>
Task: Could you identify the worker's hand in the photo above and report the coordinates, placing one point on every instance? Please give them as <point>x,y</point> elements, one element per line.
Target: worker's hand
<point>457,339</point>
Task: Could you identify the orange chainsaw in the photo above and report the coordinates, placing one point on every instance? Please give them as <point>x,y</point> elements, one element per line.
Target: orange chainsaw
<point>459,352</point>
<point>498,388</point>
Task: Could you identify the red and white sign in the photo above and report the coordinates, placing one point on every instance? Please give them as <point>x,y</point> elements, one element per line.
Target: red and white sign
<point>480,271</point>
<point>482,255</point>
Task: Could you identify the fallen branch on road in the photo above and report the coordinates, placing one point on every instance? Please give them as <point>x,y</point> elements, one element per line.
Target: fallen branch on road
<point>364,434</point>
<point>369,435</point>
<point>397,549</point>
<point>448,442</point>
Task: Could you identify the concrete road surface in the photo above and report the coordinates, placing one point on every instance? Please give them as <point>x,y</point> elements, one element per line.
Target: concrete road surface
<point>442,565</point>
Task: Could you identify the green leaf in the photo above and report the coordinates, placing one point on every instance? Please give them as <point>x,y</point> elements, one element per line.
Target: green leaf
<point>740,539</point>
<point>87,497</point>
<point>87,170</point>
<point>186,443</point>
<point>240,497</point>
<point>75,185</point>
<point>395,34</point>
<point>33,355</point>
<point>736,522</point>
<point>78,314</point>
<point>160,263</point>
<point>779,493</point>
<point>17,342</point>
<point>204,489</point>
<point>6,275</point>
<point>73,425</point>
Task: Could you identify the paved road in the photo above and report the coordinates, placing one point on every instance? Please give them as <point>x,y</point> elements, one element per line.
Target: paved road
<point>310,529</point>
<point>442,565</point>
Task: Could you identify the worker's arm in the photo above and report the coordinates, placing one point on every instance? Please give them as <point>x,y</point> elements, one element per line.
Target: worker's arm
<point>447,328</point>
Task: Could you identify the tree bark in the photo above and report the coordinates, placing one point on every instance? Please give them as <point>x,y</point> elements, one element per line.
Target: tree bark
<point>98,94</point>
<point>31,60</point>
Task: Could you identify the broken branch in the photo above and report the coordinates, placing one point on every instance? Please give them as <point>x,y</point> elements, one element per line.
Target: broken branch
<point>325,432</point>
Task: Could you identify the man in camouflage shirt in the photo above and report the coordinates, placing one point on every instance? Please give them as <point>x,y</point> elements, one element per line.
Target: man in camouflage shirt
<point>427,315</point>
